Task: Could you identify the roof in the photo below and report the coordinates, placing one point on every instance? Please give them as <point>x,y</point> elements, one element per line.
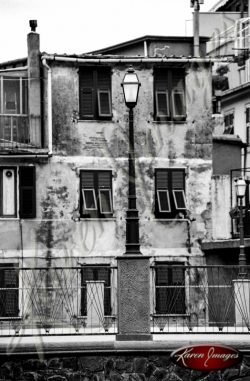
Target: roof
<point>14,63</point>
<point>147,38</point>
<point>218,5</point>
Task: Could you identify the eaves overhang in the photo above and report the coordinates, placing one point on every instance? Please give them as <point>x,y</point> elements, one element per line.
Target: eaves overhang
<point>236,93</point>
<point>223,244</point>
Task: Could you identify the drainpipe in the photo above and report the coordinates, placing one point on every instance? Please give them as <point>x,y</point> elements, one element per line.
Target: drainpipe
<point>49,110</point>
<point>196,28</point>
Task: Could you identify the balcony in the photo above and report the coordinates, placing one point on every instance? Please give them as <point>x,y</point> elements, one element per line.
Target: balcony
<point>208,299</point>
<point>19,132</point>
<point>61,301</point>
<point>55,301</point>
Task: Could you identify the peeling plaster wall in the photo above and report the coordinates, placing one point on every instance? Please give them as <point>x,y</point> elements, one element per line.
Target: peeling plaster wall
<point>104,145</point>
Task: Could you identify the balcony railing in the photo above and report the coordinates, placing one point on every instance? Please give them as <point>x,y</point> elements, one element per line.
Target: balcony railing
<point>184,299</point>
<point>55,301</point>
<point>18,131</point>
<point>209,299</point>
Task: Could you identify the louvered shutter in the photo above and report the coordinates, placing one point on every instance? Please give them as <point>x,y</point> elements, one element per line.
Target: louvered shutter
<point>178,189</point>
<point>178,94</point>
<point>87,96</point>
<point>105,194</point>
<point>162,179</point>
<point>104,92</point>
<point>178,179</point>
<point>9,291</point>
<point>161,93</point>
<point>27,192</point>
<point>88,191</point>
<point>87,179</point>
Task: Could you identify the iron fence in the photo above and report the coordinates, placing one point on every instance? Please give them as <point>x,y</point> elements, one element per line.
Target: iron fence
<point>56,301</point>
<point>196,299</point>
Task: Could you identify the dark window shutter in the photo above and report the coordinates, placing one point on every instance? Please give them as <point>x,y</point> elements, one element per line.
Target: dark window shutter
<point>87,179</point>
<point>178,93</point>
<point>247,114</point>
<point>104,179</point>
<point>9,291</point>
<point>86,80</point>
<point>27,192</point>
<point>178,179</point>
<point>161,179</point>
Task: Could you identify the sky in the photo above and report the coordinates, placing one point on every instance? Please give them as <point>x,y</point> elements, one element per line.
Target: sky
<point>79,26</point>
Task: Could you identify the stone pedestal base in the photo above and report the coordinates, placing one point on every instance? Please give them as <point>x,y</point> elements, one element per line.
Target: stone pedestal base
<point>242,301</point>
<point>133,298</point>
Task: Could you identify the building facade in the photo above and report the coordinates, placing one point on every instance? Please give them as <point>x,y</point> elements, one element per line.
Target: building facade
<point>64,185</point>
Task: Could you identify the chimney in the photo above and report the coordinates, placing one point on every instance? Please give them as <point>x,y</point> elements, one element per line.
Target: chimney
<point>34,84</point>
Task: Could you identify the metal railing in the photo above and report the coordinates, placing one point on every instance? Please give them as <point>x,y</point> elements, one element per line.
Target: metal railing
<point>18,131</point>
<point>55,301</point>
<point>208,299</point>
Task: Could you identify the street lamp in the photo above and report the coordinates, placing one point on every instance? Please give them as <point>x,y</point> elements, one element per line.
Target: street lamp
<point>240,186</point>
<point>131,87</point>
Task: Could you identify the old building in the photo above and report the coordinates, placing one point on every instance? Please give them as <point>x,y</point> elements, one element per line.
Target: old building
<point>64,192</point>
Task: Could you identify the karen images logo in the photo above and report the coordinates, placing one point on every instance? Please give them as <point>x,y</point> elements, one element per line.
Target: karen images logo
<point>206,357</point>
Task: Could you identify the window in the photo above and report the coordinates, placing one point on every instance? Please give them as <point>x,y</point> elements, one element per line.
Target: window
<point>229,122</point>
<point>9,290</point>
<point>95,93</point>
<point>13,95</point>
<point>96,194</point>
<point>170,197</point>
<point>10,198</point>
<point>170,288</point>
<point>248,124</point>
<point>96,273</point>
<point>170,103</point>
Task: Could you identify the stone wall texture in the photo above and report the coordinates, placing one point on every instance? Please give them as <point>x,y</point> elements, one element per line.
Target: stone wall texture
<point>146,367</point>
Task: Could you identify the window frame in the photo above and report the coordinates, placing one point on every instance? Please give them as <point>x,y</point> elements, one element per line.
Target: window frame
<point>110,200</point>
<point>159,202</point>
<point>84,200</point>
<point>95,89</point>
<point>174,209</point>
<point>19,189</point>
<point>96,213</point>
<point>169,88</point>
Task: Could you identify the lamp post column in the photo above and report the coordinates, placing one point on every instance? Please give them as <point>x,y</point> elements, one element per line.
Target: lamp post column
<point>133,284</point>
<point>132,220</point>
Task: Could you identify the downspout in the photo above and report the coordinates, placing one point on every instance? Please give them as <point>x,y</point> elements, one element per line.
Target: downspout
<point>49,109</point>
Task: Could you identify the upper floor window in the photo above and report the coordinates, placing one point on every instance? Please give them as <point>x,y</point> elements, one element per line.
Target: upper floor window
<point>229,122</point>
<point>170,288</point>
<point>13,95</point>
<point>170,199</point>
<point>169,89</point>
<point>96,194</point>
<point>9,290</point>
<point>95,93</point>
<point>12,178</point>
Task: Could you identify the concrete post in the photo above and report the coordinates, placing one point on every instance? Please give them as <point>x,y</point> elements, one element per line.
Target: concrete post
<point>242,302</point>
<point>95,303</point>
<point>133,298</point>
<point>34,88</point>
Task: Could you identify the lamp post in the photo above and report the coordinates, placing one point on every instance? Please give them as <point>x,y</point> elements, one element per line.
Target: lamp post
<point>133,285</point>
<point>240,191</point>
<point>131,86</point>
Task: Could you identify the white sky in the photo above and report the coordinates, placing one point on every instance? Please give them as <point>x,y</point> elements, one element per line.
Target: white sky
<point>78,26</point>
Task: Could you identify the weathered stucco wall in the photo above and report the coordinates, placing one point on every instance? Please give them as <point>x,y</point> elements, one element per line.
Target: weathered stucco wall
<point>104,145</point>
